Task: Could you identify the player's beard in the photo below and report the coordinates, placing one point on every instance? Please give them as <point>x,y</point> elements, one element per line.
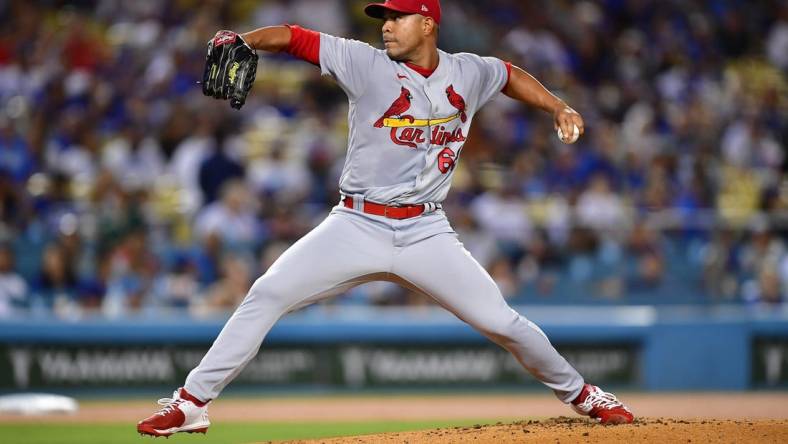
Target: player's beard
<point>397,53</point>
<point>396,57</point>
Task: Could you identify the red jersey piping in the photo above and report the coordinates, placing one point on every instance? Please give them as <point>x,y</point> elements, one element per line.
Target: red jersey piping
<point>423,71</point>
<point>508,74</point>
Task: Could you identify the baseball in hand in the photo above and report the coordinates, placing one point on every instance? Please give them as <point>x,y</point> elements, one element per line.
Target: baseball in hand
<point>569,139</point>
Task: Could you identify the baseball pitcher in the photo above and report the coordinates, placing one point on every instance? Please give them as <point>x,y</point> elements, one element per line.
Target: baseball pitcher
<point>411,108</point>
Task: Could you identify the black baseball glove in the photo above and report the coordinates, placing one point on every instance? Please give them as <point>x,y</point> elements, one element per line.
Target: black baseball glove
<point>230,68</point>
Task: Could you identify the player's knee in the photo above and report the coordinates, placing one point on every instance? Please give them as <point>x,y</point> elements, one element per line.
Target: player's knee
<point>503,331</point>
<point>266,292</point>
<point>496,331</point>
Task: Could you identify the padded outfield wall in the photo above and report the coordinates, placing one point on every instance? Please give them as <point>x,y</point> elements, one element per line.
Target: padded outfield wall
<point>641,347</point>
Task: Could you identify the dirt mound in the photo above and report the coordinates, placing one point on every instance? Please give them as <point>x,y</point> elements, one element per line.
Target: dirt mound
<point>571,430</point>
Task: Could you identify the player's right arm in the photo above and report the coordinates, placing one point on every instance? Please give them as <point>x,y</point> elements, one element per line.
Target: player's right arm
<point>270,38</point>
<point>525,88</point>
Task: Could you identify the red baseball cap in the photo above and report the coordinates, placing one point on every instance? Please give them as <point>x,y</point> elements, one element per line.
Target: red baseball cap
<point>427,8</point>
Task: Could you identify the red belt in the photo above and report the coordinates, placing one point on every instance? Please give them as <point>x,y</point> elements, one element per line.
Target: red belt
<point>392,212</point>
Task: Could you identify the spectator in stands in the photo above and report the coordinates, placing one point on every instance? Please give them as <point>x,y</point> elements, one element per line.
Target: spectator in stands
<point>503,214</point>
<point>13,288</point>
<point>56,286</point>
<point>117,213</point>
<point>281,179</point>
<point>131,275</point>
<point>187,157</point>
<point>747,143</point>
<point>232,218</point>
<point>134,158</point>
<point>600,209</point>
<point>16,160</point>
<point>765,288</point>
<point>649,267</point>
<point>761,254</point>
<point>231,288</point>
<point>12,203</point>
<point>719,265</point>
<point>207,255</point>
<point>179,286</point>
<point>541,264</point>
<point>218,167</point>
<point>777,43</point>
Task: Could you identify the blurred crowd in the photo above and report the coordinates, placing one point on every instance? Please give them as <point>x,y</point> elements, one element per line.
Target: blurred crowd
<point>123,190</point>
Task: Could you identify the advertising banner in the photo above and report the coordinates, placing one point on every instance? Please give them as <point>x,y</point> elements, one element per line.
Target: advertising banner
<point>347,365</point>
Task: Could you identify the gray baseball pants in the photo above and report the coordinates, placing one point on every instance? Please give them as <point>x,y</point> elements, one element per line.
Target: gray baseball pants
<point>350,248</point>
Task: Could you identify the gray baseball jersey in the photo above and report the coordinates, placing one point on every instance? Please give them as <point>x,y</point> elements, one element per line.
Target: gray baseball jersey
<point>406,131</point>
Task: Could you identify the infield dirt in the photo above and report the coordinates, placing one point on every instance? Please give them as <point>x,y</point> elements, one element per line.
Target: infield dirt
<point>579,430</point>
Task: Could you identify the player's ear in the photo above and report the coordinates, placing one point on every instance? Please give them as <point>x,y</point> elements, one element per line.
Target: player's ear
<point>429,25</point>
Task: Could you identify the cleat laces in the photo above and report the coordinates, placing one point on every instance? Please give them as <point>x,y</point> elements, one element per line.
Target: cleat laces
<point>601,399</point>
<point>170,404</point>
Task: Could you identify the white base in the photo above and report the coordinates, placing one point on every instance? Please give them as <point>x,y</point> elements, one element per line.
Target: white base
<point>37,404</point>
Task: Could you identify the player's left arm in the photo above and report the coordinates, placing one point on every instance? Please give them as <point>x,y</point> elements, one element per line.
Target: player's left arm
<point>525,88</point>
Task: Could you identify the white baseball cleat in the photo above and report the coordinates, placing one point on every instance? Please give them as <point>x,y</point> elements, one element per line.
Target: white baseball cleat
<point>181,413</point>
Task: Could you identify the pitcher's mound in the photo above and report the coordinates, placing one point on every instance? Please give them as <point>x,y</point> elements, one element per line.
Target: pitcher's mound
<point>571,430</point>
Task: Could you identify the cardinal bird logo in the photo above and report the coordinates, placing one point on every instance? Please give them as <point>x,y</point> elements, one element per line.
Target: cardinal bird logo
<point>412,132</point>
<point>456,101</point>
<point>399,106</point>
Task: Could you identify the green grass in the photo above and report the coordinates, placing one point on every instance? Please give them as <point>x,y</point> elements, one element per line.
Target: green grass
<point>224,433</point>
